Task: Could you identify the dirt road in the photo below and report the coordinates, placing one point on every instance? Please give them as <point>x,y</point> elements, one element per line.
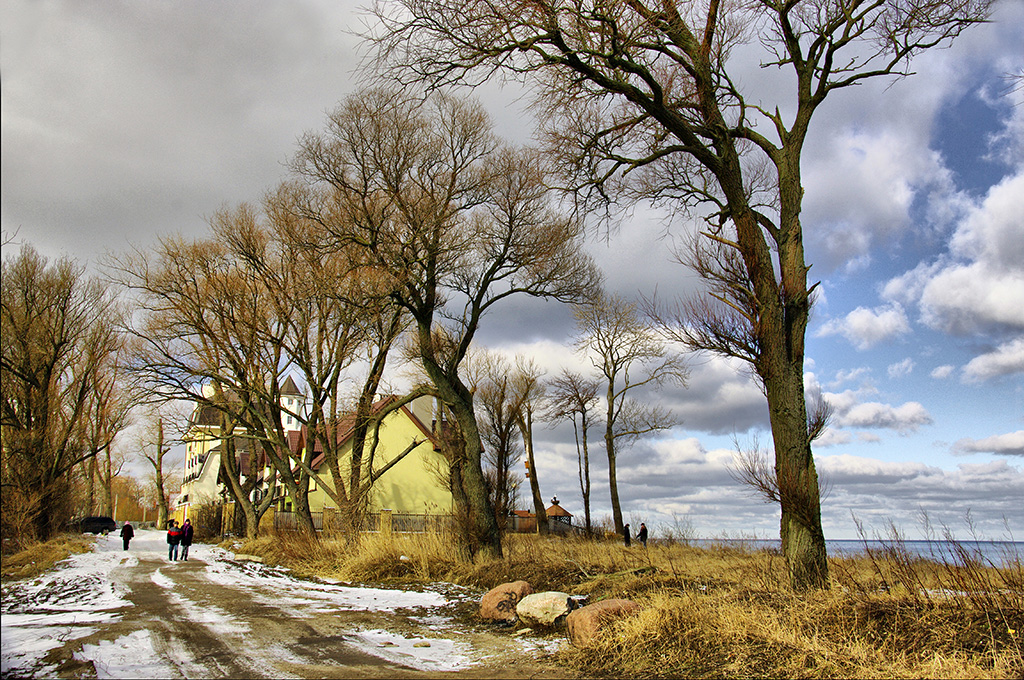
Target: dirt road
<point>137,614</point>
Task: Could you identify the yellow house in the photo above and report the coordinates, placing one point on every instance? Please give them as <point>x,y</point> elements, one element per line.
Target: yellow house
<point>414,485</point>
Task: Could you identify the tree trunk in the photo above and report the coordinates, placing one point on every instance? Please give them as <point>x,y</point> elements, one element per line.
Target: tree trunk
<point>526,425</point>
<point>587,523</point>
<point>783,308</point>
<point>484,534</point>
<point>90,470</point>
<point>108,484</point>
<point>803,540</point>
<point>609,443</point>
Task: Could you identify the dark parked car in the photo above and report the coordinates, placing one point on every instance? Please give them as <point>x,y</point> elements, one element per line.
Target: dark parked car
<point>94,525</point>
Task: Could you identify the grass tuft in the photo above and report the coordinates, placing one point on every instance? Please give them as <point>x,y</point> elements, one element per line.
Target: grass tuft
<point>41,557</point>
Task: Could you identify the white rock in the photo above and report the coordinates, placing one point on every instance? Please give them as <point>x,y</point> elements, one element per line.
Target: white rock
<point>543,609</point>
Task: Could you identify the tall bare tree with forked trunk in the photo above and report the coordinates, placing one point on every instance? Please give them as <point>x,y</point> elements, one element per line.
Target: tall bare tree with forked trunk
<point>644,100</point>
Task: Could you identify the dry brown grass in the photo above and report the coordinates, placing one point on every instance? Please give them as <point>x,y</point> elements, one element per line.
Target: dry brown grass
<point>41,557</point>
<point>726,612</point>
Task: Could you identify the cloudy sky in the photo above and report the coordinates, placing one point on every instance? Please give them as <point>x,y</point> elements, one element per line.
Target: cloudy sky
<point>123,121</point>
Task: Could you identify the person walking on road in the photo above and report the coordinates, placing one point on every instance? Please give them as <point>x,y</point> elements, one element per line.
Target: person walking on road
<point>642,534</point>
<point>127,533</point>
<point>186,538</point>
<point>174,533</point>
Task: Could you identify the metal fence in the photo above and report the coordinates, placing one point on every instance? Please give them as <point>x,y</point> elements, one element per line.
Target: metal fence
<point>372,522</point>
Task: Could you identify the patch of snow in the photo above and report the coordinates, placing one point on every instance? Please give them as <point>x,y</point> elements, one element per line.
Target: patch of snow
<point>213,618</point>
<point>26,639</point>
<point>64,604</point>
<point>286,591</point>
<point>419,653</point>
<point>161,580</point>
<point>131,656</point>
<point>541,645</point>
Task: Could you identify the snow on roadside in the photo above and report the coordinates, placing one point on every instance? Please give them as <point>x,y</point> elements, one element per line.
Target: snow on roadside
<point>420,653</point>
<point>131,656</point>
<point>273,586</point>
<point>64,604</point>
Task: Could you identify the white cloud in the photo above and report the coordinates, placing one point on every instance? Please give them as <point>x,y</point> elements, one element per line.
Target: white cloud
<point>844,376</point>
<point>942,372</point>
<point>850,411</point>
<point>980,283</point>
<point>865,328</point>
<point>903,418</point>
<point>1007,359</point>
<point>901,369</point>
<point>720,397</point>
<point>891,165</point>
<point>1009,444</point>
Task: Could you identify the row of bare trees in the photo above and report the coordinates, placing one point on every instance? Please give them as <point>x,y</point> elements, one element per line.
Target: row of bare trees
<point>405,215</point>
<point>647,101</point>
<point>62,396</point>
<point>630,359</point>
<point>409,210</point>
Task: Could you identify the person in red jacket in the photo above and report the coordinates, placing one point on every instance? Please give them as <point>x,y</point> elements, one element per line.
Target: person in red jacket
<point>174,534</point>
<point>186,538</point>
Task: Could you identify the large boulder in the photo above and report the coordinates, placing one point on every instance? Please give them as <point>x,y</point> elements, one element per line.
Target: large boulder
<point>499,604</point>
<point>543,609</point>
<point>585,624</point>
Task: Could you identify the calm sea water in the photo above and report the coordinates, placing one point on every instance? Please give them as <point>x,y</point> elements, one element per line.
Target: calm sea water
<point>992,552</point>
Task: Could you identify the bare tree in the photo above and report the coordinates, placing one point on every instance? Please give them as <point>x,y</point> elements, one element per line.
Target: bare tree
<point>155,446</point>
<point>206,332</point>
<point>107,414</point>
<point>574,398</point>
<point>458,224</point>
<point>344,314</point>
<point>629,355</point>
<point>499,407</point>
<point>643,101</point>
<point>59,338</point>
<point>529,391</point>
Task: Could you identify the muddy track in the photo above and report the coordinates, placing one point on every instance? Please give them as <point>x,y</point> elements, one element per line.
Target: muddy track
<point>222,618</point>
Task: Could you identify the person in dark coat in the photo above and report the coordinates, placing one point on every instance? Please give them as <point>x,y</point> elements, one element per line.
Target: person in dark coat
<point>642,534</point>
<point>174,533</point>
<point>186,538</point>
<point>625,534</point>
<point>127,533</point>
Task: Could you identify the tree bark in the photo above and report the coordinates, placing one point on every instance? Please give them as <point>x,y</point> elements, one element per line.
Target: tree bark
<point>526,426</point>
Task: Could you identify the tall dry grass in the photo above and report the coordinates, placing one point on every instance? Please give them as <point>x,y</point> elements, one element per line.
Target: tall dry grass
<point>727,612</point>
<point>40,557</point>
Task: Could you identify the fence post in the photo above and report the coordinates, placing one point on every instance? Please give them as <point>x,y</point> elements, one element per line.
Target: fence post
<point>269,519</point>
<point>227,514</point>
<point>386,523</point>
<point>328,521</point>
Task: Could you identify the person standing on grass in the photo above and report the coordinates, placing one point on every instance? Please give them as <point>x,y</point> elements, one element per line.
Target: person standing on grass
<point>174,533</point>
<point>642,534</point>
<point>186,538</point>
<point>127,533</point>
<point>625,534</point>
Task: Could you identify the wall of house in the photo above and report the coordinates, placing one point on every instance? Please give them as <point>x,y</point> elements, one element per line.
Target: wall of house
<point>201,485</point>
<point>412,485</point>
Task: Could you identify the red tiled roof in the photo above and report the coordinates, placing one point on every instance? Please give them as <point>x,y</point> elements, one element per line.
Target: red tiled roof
<point>558,511</point>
